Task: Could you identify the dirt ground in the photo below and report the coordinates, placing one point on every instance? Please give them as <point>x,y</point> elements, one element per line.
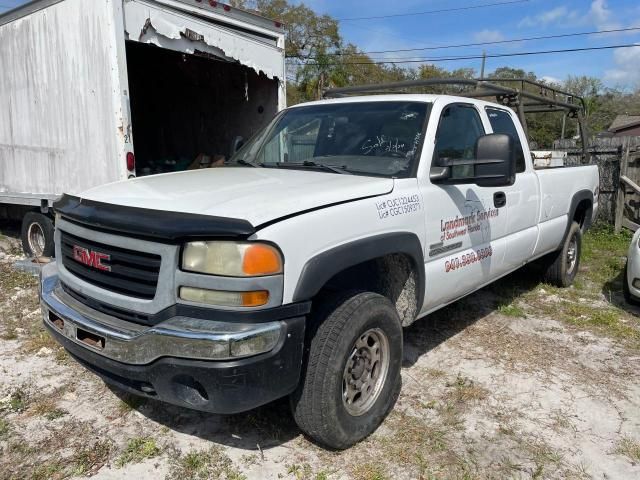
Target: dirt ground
<point>519,380</point>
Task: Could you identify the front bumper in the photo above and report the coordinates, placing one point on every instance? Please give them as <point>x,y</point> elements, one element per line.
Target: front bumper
<point>195,363</point>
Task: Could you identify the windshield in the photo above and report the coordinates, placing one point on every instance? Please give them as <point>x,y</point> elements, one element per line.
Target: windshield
<point>370,138</point>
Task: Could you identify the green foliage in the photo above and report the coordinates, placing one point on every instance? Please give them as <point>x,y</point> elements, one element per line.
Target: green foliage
<point>18,400</point>
<point>137,450</point>
<point>4,428</point>
<point>511,310</point>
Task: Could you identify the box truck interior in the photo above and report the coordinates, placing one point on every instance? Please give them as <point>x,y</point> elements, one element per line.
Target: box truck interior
<point>184,105</point>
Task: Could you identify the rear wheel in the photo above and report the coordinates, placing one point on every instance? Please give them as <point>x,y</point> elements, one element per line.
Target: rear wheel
<point>352,375</point>
<point>562,266</point>
<point>37,235</point>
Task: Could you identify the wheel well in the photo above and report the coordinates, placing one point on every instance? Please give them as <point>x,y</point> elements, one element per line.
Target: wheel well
<point>393,276</point>
<point>582,214</point>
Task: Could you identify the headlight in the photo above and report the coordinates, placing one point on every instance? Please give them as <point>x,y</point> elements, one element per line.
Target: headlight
<point>232,259</point>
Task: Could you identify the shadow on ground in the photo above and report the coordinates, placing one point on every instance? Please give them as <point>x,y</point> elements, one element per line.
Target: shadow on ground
<point>262,428</point>
<point>612,292</point>
<point>429,332</point>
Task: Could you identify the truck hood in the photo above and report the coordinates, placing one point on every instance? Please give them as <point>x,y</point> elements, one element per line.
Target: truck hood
<point>257,195</point>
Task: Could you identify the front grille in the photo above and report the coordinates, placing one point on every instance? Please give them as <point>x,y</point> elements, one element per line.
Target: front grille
<point>132,273</point>
<point>110,310</point>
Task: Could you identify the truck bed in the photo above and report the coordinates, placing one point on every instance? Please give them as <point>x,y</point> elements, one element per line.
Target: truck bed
<point>558,188</point>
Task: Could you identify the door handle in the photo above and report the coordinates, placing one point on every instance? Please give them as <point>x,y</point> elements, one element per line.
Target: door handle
<point>499,199</point>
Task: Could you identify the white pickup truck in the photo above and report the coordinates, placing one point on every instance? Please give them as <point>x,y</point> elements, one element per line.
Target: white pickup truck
<point>292,270</point>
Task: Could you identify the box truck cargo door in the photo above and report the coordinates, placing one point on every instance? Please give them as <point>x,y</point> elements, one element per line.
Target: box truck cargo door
<point>167,25</point>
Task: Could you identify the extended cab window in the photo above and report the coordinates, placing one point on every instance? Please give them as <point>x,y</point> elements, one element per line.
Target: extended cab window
<point>458,129</point>
<point>501,122</point>
<point>381,138</point>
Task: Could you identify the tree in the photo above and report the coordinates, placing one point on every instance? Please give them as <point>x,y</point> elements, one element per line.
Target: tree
<point>308,34</point>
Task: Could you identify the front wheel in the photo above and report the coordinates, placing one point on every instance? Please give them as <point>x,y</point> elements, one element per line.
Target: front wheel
<point>352,375</point>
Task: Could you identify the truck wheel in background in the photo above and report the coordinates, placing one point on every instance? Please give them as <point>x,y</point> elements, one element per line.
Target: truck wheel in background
<point>37,235</point>
<point>352,377</point>
<point>562,266</point>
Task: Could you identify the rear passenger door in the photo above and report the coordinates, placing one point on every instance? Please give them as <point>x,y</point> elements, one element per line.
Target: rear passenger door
<point>522,198</point>
<point>466,224</point>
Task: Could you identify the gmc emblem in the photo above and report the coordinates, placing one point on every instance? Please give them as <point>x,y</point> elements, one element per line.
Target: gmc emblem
<point>91,258</point>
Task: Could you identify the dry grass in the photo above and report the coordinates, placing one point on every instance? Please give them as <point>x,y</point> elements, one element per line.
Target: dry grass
<point>211,464</point>
<point>630,448</point>
<point>47,407</point>
<point>369,471</point>
<point>68,450</point>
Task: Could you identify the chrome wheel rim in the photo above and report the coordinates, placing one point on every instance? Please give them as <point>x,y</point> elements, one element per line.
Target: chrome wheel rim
<point>35,236</point>
<point>365,372</point>
<point>572,255</point>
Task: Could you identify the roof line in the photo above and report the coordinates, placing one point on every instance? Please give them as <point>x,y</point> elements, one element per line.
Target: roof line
<point>26,9</point>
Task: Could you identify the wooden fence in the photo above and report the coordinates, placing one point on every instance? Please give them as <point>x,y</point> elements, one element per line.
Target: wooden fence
<point>619,202</point>
<point>628,197</point>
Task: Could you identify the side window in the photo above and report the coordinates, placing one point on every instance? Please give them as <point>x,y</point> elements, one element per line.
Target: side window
<point>501,122</point>
<point>293,143</point>
<point>458,129</point>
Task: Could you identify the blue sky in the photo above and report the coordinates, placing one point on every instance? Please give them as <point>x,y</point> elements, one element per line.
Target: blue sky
<point>619,67</point>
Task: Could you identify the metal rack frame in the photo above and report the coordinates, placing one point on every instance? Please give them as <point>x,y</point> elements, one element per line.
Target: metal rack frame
<point>524,96</point>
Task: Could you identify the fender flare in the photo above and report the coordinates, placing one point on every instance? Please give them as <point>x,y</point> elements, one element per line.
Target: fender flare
<point>321,268</point>
<point>578,197</point>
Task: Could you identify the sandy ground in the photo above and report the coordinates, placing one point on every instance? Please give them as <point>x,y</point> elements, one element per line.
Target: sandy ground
<point>492,388</point>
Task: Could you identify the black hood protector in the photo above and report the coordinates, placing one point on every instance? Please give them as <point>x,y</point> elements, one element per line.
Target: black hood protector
<point>145,222</point>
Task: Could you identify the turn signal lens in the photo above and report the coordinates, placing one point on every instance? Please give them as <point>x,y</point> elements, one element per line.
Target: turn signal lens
<point>255,299</point>
<point>261,259</point>
<point>225,298</point>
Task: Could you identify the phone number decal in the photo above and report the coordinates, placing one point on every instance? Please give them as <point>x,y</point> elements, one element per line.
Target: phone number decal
<point>467,259</point>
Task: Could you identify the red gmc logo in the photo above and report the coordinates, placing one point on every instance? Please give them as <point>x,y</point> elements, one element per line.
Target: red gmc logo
<point>91,258</point>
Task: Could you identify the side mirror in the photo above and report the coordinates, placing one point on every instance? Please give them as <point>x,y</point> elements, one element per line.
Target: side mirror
<point>236,144</point>
<point>496,157</point>
<point>494,164</point>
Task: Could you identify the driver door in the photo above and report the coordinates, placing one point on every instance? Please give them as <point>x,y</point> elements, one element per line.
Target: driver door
<point>466,223</point>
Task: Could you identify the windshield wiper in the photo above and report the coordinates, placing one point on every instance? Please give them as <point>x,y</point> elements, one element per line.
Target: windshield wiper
<point>310,164</point>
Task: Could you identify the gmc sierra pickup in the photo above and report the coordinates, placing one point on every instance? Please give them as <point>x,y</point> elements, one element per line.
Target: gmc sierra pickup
<point>292,270</point>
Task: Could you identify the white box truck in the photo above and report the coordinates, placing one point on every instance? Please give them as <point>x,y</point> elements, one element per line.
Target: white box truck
<point>93,92</point>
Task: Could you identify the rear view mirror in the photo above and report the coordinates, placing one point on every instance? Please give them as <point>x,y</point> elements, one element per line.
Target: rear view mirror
<point>236,145</point>
<point>493,165</point>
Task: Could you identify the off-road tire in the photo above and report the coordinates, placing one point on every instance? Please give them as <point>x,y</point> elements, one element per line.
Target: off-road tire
<point>44,226</point>
<point>317,404</point>
<point>629,298</point>
<point>558,270</point>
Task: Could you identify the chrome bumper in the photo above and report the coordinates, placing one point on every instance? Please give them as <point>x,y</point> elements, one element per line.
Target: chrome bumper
<point>127,342</point>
